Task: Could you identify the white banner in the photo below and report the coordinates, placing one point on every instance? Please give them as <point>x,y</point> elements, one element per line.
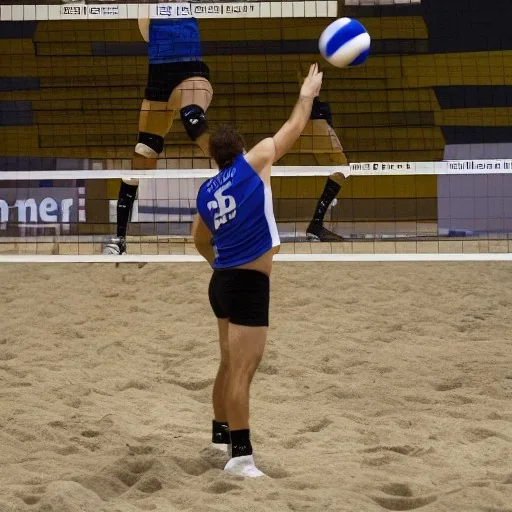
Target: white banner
<point>362,3</point>
<point>478,166</point>
<point>454,167</point>
<point>284,9</point>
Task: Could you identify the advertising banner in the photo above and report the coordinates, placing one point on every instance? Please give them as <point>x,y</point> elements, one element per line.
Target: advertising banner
<point>27,210</point>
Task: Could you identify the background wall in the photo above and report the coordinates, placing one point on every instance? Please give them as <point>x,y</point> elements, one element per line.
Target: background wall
<point>438,85</point>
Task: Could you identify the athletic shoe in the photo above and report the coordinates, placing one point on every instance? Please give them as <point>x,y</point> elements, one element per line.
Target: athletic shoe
<point>317,233</point>
<point>243,466</point>
<point>115,247</point>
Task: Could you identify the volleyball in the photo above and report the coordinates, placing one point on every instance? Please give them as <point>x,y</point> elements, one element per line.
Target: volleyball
<point>345,42</point>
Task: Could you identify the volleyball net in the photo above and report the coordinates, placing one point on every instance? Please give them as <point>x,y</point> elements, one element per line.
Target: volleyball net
<point>382,208</point>
<point>73,76</point>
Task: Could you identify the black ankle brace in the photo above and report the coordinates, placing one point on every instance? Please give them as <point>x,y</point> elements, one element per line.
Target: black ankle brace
<point>220,432</point>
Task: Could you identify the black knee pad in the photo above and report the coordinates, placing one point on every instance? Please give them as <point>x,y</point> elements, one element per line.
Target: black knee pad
<point>321,110</point>
<point>155,142</point>
<point>194,120</point>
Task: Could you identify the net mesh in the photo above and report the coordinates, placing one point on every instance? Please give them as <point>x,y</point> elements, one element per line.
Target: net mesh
<point>74,75</point>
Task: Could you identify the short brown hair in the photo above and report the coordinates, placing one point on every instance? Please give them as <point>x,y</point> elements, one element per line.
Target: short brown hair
<point>225,145</point>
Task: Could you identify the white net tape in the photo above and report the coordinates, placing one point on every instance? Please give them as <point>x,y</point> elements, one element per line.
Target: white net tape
<point>77,11</point>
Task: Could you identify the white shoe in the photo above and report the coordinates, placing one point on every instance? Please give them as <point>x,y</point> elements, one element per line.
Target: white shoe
<point>243,466</point>
<point>115,247</point>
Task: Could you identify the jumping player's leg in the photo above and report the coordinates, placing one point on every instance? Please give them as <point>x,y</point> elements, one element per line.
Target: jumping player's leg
<point>333,156</point>
<point>316,230</point>
<point>192,98</point>
<point>155,121</point>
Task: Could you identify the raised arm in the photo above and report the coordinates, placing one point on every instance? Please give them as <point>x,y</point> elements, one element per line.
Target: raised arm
<point>144,28</point>
<point>286,137</point>
<point>270,150</point>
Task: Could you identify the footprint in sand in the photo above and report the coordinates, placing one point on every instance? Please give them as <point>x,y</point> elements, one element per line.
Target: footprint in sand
<point>267,369</point>
<point>276,472</point>
<point>90,433</point>
<point>316,426</point>
<point>192,467</point>
<point>301,485</point>
<point>222,487</point>
<point>215,457</point>
<point>399,496</point>
<point>30,499</point>
<point>133,384</point>
<point>5,355</point>
<point>411,451</point>
<point>150,485</point>
<point>475,435</point>
<point>195,385</point>
<point>128,472</point>
<point>140,450</point>
<point>294,442</point>
<point>447,385</point>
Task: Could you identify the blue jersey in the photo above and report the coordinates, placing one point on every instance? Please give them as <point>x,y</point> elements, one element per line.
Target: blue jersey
<point>237,208</point>
<point>175,40</point>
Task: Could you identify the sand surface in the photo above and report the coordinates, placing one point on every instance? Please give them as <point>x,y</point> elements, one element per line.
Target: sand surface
<point>383,387</point>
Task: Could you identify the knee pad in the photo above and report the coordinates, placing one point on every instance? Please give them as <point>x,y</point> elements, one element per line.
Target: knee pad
<point>321,110</point>
<point>149,145</point>
<point>194,120</point>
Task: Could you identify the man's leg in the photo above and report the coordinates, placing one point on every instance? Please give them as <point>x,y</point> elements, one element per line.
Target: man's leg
<point>246,346</point>
<point>316,229</point>
<point>155,121</point>
<point>220,426</point>
<point>333,155</point>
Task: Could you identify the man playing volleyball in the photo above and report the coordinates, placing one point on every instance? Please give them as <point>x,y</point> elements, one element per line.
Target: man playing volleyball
<point>178,81</point>
<point>236,232</point>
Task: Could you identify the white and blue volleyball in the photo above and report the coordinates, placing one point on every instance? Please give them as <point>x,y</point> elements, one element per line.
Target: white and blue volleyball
<point>345,42</point>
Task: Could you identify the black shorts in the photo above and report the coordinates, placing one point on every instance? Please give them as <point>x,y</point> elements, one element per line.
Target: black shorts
<point>164,78</point>
<point>240,295</point>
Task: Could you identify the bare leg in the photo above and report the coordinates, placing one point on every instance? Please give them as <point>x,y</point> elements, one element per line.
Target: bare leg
<point>332,154</point>
<point>155,118</point>
<point>194,91</point>
<point>219,387</point>
<point>246,345</point>
<point>220,427</point>
<point>155,121</point>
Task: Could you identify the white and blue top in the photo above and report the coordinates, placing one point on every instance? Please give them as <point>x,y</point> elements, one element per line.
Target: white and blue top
<point>236,206</point>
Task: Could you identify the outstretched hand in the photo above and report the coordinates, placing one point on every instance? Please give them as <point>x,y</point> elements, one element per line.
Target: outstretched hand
<point>312,83</point>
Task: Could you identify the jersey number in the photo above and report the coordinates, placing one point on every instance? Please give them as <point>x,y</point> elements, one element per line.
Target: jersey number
<point>225,206</point>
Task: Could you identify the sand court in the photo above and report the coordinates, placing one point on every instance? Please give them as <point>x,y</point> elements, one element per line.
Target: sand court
<point>383,387</point>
